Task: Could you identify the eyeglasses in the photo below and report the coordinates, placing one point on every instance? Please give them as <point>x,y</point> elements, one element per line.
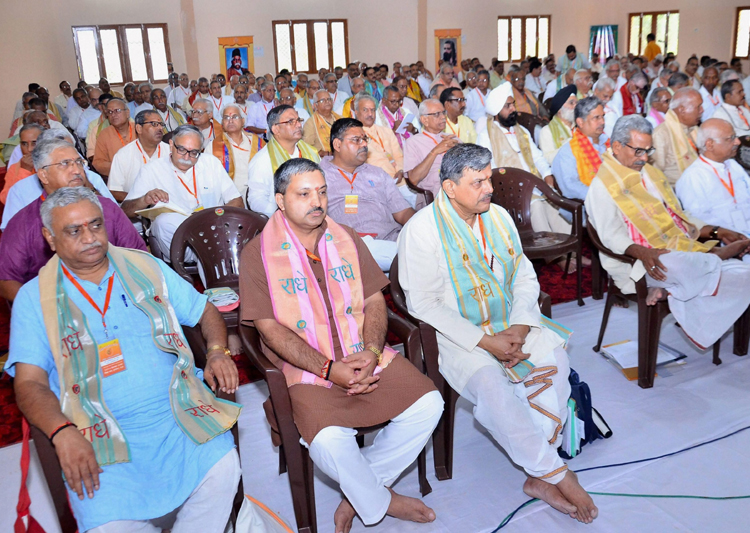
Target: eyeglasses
<point>639,152</point>
<point>154,123</point>
<point>359,140</point>
<point>326,100</point>
<point>199,112</point>
<point>730,139</point>
<point>231,117</point>
<point>436,114</point>
<point>117,111</point>
<point>459,100</point>
<point>292,122</point>
<point>65,163</point>
<point>184,151</point>
<point>287,98</point>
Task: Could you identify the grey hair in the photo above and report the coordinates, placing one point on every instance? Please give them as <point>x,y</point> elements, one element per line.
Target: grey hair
<point>655,95</point>
<point>63,197</point>
<point>140,118</point>
<point>585,106</point>
<point>728,74</point>
<point>707,131</point>
<point>633,68</point>
<point>54,133</point>
<point>365,96</point>
<point>203,101</point>
<point>682,96</point>
<point>612,63</point>
<point>42,153</point>
<point>291,168</point>
<point>678,77</point>
<point>146,84</point>
<point>605,83</point>
<point>444,67</point>
<point>423,106</point>
<point>325,78</point>
<point>391,89</point>
<point>267,84</point>
<point>463,156</point>
<point>580,74</point>
<point>434,90</point>
<point>627,124</point>
<point>28,127</point>
<point>675,63</point>
<point>315,96</point>
<point>227,106</point>
<point>274,116</point>
<point>639,76</point>
<point>187,129</point>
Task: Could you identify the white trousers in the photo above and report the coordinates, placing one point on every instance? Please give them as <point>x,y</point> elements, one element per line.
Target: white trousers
<point>523,432</point>
<point>164,228</point>
<point>706,295</point>
<point>206,510</point>
<point>363,475</point>
<point>546,217</point>
<point>382,251</point>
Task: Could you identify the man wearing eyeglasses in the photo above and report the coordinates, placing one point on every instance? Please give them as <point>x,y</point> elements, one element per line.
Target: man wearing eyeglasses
<point>317,131</point>
<point>178,94</point>
<point>734,109</point>
<point>218,100</point>
<point>383,150</point>
<point>257,114</point>
<point>129,160</point>
<point>457,123</point>
<point>287,97</point>
<point>187,182</point>
<point>636,213</point>
<point>234,147</point>
<point>120,132</point>
<point>201,91</point>
<point>391,113</point>
<point>338,97</point>
<point>203,119</point>
<point>285,142</point>
<point>172,119</point>
<point>23,248</point>
<point>674,139</point>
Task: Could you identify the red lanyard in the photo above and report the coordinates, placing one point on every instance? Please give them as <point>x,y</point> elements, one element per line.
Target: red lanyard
<point>454,131</point>
<point>43,196</point>
<point>195,186</point>
<point>430,137</point>
<point>138,145</point>
<point>130,134</point>
<point>742,116</point>
<point>235,146</point>
<point>377,138</point>
<point>481,99</point>
<point>218,107</point>
<point>313,256</point>
<point>350,181</point>
<point>730,187</point>
<point>711,97</point>
<point>89,299</point>
<point>491,262</point>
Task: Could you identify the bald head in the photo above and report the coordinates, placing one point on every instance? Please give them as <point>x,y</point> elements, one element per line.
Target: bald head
<point>716,140</point>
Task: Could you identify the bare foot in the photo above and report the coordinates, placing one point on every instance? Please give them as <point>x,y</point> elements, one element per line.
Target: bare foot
<point>585,262</point>
<point>731,250</point>
<point>411,509</point>
<point>235,346</point>
<point>547,492</point>
<point>575,494</point>
<point>621,302</point>
<point>344,516</point>
<point>571,268</point>
<point>654,295</point>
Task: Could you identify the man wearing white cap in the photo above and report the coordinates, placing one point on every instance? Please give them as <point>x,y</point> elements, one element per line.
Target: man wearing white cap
<point>513,146</point>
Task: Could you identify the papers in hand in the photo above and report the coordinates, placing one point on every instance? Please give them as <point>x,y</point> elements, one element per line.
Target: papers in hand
<point>224,298</point>
<point>159,208</point>
<point>408,119</point>
<point>625,355</point>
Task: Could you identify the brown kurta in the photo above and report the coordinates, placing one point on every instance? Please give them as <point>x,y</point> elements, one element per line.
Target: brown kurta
<point>316,407</point>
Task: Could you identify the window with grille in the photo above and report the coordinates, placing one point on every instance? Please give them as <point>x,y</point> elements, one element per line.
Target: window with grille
<point>122,53</point>
<point>742,33</point>
<point>310,45</point>
<point>665,25</point>
<point>522,37</point>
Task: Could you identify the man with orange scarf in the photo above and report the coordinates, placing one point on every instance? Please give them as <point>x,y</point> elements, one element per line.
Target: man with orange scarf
<point>578,160</point>
<point>313,291</point>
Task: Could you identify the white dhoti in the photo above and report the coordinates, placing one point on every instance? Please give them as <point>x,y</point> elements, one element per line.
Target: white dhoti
<point>706,295</point>
<point>409,195</point>
<point>382,251</point>
<point>546,217</point>
<point>363,475</point>
<point>527,426</point>
<point>163,229</point>
<point>205,511</point>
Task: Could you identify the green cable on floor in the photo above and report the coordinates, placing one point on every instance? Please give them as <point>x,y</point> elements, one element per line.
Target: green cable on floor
<point>621,494</point>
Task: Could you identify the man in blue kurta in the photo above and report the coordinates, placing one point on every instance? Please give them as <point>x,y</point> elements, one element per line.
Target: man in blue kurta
<point>96,344</point>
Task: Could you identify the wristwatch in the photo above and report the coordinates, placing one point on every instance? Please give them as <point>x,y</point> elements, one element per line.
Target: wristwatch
<point>377,352</point>
<point>714,233</point>
<point>219,347</point>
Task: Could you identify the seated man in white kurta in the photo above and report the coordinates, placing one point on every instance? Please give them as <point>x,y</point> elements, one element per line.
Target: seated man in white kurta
<point>715,188</point>
<point>513,146</point>
<point>187,180</point>
<point>635,213</point>
<point>496,349</point>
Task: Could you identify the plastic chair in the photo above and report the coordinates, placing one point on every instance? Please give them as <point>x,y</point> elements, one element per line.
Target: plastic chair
<point>513,189</point>
<point>51,464</point>
<point>650,318</point>
<point>442,438</point>
<point>216,236</point>
<point>295,458</point>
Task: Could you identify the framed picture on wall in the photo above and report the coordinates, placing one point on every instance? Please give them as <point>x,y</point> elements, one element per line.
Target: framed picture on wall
<point>448,47</point>
<point>236,55</point>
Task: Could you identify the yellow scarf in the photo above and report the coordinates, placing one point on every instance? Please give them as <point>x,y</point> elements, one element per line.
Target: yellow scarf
<point>279,156</point>
<point>323,130</point>
<point>650,216</point>
<point>682,144</point>
<point>503,152</point>
<point>560,132</point>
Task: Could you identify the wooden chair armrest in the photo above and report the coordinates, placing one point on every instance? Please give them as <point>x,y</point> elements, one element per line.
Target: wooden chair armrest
<point>428,196</point>
<point>609,253</point>
<point>409,335</point>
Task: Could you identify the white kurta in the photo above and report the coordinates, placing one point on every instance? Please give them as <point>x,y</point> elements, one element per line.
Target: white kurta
<point>500,405</point>
<point>702,193</point>
<point>610,119</point>
<point>217,104</point>
<point>128,162</point>
<point>256,115</point>
<point>241,159</point>
<point>475,101</point>
<point>710,102</point>
<point>177,96</point>
<point>547,143</point>
<point>84,119</point>
<point>260,195</point>
<point>738,117</point>
<point>339,99</point>
<point>535,85</point>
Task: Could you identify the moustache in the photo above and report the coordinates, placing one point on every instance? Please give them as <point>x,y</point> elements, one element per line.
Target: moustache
<point>639,163</point>
<point>363,150</point>
<point>185,162</point>
<point>91,246</point>
<point>315,210</point>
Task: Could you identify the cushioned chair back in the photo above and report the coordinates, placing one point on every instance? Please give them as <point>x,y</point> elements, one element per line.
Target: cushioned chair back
<point>217,236</point>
